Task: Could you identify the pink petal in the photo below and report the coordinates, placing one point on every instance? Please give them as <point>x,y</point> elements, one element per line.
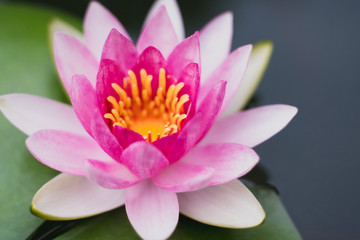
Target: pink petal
<point>198,126</point>
<point>186,139</point>
<point>151,60</point>
<point>231,70</point>
<point>143,159</point>
<point>258,62</point>
<point>110,174</point>
<point>158,33</point>
<point>31,113</point>
<point>251,127</point>
<point>229,205</point>
<point>86,107</point>
<point>188,51</point>
<point>109,72</point>
<point>210,107</point>
<point>215,42</point>
<point>83,99</point>
<point>174,13</point>
<point>126,136</point>
<point>120,49</point>
<point>63,151</point>
<point>182,177</point>
<point>164,144</point>
<point>67,197</point>
<point>152,211</point>
<point>97,25</point>
<point>105,138</point>
<point>190,76</point>
<point>72,57</point>
<point>230,160</point>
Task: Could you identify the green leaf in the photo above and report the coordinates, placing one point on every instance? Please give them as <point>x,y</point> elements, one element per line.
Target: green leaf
<point>25,66</point>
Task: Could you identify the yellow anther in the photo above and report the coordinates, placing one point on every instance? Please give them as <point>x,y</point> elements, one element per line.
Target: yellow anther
<point>125,82</point>
<point>160,93</point>
<point>173,119</point>
<point>113,101</point>
<point>110,116</point>
<point>128,102</point>
<point>148,85</point>
<point>136,108</point>
<point>143,76</point>
<point>134,90</point>
<point>162,79</point>
<point>138,102</point>
<point>170,92</point>
<point>144,96</point>
<point>178,87</point>
<point>132,76</point>
<point>173,104</point>
<point>180,119</point>
<point>122,94</point>
<point>118,124</point>
<point>183,99</point>
<point>116,115</point>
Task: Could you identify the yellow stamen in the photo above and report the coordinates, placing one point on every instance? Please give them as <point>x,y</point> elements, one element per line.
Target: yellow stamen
<point>153,117</point>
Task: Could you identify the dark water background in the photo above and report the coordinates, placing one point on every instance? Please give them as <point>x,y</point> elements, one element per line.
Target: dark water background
<point>315,161</point>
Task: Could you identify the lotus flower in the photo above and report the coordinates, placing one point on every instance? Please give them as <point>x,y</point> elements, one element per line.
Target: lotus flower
<point>146,129</point>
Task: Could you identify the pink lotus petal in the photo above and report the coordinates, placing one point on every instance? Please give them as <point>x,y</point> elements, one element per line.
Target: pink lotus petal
<point>143,159</point>
<point>215,42</point>
<point>190,76</point>
<point>84,100</point>
<point>230,160</point>
<point>186,139</point>
<point>120,49</point>
<point>158,33</point>
<point>32,113</point>
<point>97,25</point>
<point>164,144</point>
<point>229,205</point>
<point>109,72</point>
<point>152,211</point>
<point>210,107</point>
<point>258,62</point>
<point>110,174</point>
<point>251,127</point>
<point>174,13</point>
<point>72,57</point>
<point>86,107</point>
<point>232,71</point>
<point>63,151</point>
<point>67,197</point>
<point>126,136</point>
<point>105,138</point>
<point>182,177</point>
<point>188,51</point>
<point>151,60</point>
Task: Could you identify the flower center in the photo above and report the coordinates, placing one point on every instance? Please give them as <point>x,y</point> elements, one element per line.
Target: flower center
<point>153,115</point>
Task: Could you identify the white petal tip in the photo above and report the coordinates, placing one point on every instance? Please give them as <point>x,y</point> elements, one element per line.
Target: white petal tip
<point>229,205</point>
<point>58,25</point>
<point>69,197</point>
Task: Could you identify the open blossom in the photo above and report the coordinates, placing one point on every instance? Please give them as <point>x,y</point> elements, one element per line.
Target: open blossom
<point>144,127</point>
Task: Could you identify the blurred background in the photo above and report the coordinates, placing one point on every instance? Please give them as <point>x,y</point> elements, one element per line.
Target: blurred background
<point>314,162</point>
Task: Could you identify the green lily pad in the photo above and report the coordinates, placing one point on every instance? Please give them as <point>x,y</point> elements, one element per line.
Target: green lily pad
<point>26,66</point>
